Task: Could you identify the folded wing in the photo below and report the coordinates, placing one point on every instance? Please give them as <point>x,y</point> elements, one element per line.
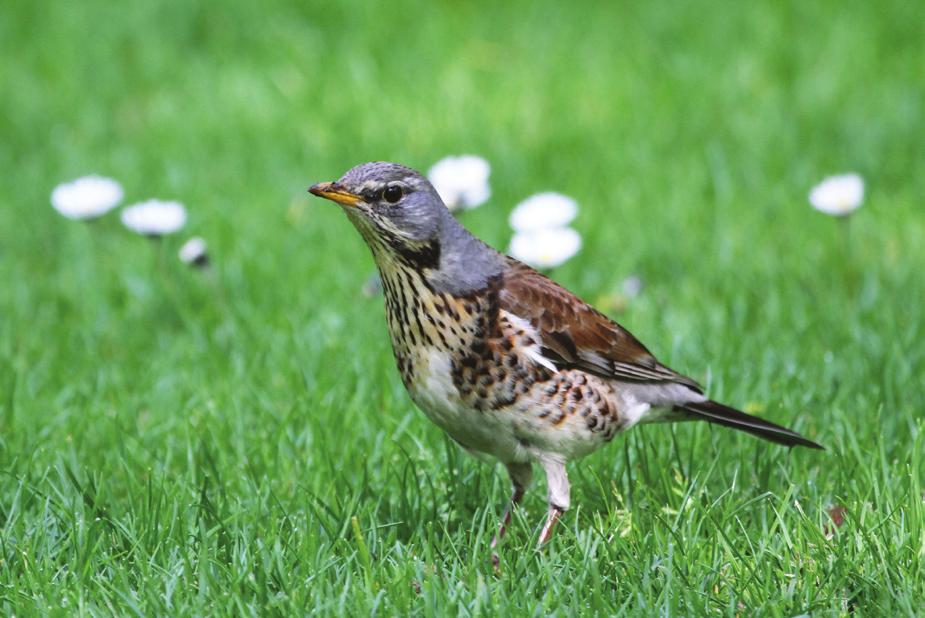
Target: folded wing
<point>575,335</point>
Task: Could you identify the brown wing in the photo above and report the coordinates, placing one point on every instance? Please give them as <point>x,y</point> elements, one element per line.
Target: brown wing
<point>576,335</point>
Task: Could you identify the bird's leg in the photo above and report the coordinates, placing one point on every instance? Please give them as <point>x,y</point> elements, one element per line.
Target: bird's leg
<point>552,517</point>
<point>520,473</point>
<point>558,491</point>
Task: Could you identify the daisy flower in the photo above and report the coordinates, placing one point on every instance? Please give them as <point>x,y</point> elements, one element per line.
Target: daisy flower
<point>543,211</point>
<point>154,217</point>
<point>194,252</point>
<point>838,195</point>
<point>462,181</point>
<point>87,197</point>
<point>632,286</point>
<point>545,248</point>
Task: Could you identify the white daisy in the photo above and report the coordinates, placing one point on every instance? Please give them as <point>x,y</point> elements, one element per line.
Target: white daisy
<point>194,252</point>
<point>838,195</point>
<point>632,286</point>
<point>154,217</point>
<point>543,211</point>
<point>547,248</point>
<point>86,198</point>
<point>462,182</point>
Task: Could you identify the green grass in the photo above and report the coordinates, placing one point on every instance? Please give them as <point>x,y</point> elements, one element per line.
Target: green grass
<point>238,442</point>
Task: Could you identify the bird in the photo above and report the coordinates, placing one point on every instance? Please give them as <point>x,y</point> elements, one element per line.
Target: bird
<point>511,365</point>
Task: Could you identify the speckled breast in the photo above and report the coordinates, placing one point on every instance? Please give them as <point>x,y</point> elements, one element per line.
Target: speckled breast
<point>477,372</point>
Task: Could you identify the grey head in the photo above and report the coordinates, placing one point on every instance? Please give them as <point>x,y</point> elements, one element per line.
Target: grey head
<point>405,223</point>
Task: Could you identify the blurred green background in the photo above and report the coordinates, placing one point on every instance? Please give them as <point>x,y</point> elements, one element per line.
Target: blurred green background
<point>180,442</point>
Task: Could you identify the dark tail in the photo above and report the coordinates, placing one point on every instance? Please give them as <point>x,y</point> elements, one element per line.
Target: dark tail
<point>719,414</point>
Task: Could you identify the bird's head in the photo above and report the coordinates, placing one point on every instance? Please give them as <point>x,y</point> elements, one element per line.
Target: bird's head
<point>402,218</point>
<point>394,207</point>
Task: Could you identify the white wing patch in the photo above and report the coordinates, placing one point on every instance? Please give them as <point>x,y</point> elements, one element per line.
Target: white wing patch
<point>532,351</point>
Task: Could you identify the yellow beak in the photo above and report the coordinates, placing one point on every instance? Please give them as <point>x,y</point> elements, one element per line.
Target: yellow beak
<point>334,192</point>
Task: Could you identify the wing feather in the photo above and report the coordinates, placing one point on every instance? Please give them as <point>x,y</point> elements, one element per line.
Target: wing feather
<point>576,335</point>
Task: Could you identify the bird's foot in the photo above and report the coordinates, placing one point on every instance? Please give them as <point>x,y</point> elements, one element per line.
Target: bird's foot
<point>551,518</point>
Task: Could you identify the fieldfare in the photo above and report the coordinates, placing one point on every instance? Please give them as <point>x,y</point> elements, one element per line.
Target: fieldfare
<point>503,359</point>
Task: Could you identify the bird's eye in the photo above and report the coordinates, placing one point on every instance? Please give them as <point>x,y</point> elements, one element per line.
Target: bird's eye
<point>392,194</point>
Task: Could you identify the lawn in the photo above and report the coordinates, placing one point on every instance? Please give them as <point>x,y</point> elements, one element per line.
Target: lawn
<point>237,441</point>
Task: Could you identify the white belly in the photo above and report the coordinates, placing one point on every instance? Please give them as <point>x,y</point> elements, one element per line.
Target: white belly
<point>433,391</point>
